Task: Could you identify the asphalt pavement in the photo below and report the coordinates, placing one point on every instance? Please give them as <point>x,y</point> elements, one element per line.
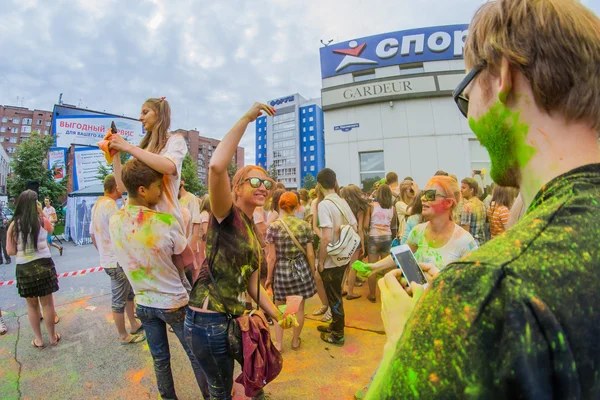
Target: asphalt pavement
<point>89,362</point>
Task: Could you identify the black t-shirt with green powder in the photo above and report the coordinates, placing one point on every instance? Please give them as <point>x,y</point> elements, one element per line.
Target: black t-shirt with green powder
<point>520,317</point>
<point>237,257</point>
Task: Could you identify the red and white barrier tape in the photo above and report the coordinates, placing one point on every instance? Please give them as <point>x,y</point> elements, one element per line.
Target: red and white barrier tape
<point>63,275</point>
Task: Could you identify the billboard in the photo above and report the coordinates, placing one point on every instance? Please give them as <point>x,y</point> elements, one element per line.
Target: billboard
<point>57,163</point>
<point>394,48</point>
<point>77,126</point>
<point>85,167</point>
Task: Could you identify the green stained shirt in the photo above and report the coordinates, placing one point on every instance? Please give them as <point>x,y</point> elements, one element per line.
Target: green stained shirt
<point>236,259</point>
<point>520,317</point>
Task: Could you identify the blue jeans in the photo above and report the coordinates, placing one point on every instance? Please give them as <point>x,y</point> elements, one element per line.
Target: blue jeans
<point>154,321</point>
<point>206,335</point>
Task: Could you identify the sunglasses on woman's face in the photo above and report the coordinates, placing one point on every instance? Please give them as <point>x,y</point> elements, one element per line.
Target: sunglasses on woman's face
<point>458,94</point>
<point>255,183</point>
<point>431,194</point>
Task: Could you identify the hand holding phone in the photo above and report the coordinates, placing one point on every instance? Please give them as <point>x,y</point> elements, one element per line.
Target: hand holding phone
<point>411,270</point>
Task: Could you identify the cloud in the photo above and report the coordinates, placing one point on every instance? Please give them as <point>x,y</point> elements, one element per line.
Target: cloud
<point>211,60</point>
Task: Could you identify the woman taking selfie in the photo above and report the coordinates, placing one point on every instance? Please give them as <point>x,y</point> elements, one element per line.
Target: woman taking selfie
<point>234,254</point>
<point>36,275</point>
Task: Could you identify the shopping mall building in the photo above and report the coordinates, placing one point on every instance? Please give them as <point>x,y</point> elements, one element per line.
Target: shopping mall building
<point>387,104</point>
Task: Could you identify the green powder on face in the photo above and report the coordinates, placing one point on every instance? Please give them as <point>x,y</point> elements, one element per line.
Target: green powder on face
<point>504,136</point>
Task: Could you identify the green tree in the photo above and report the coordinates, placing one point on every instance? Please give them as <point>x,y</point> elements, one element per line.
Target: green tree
<point>272,171</point>
<point>202,190</point>
<point>189,173</point>
<point>104,170</point>
<point>309,182</point>
<point>31,163</point>
<point>232,169</point>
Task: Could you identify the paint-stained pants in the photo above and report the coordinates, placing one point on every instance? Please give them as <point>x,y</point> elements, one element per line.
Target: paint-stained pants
<point>332,280</point>
<point>154,321</point>
<point>206,335</point>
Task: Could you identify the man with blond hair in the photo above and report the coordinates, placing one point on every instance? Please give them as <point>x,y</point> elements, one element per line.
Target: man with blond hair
<point>516,319</point>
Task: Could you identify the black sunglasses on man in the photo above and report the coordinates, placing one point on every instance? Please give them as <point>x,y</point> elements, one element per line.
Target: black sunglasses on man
<point>459,98</point>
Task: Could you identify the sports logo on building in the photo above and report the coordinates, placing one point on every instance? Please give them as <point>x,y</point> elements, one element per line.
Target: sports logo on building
<point>352,56</point>
<point>413,46</point>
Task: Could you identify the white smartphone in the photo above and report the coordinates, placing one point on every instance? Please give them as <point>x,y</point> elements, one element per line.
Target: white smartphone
<point>406,261</point>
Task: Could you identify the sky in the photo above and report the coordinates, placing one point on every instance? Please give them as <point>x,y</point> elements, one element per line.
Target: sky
<point>211,60</point>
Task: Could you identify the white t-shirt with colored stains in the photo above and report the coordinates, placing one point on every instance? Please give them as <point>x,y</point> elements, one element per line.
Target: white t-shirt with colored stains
<point>190,203</point>
<point>144,242</point>
<point>102,211</point>
<point>175,150</point>
<point>460,244</point>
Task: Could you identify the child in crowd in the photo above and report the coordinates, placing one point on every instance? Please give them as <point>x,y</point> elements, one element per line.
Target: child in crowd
<point>145,242</point>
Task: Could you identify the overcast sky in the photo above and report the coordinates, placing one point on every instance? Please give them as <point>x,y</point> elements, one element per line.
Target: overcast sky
<point>211,60</point>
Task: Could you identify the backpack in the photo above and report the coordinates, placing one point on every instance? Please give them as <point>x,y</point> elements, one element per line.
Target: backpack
<point>347,244</point>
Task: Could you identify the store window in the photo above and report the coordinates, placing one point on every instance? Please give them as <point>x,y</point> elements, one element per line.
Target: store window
<point>372,168</point>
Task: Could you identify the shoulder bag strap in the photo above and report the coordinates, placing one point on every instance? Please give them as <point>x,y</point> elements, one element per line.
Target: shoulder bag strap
<point>341,211</point>
<point>296,242</point>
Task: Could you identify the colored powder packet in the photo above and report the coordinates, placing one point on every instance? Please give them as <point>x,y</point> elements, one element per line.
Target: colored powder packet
<point>293,304</point>
<point>287,315</point>
<point>362,270</point>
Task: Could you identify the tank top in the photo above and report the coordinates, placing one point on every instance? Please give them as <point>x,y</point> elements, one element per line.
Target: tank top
<point>381,221</point>
<point>25,255</point>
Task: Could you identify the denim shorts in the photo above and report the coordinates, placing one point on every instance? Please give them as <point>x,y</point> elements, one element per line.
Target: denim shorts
<point>120,288</point>
<point>379,245</point>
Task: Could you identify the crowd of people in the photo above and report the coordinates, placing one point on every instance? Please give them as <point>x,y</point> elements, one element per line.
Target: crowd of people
<point>497,319</point>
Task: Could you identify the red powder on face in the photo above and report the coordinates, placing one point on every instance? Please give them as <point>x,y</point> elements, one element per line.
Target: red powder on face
<point>437,207</point>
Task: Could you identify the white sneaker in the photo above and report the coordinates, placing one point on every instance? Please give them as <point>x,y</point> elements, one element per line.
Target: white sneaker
<point>327,316</point>
<point>3,328</point>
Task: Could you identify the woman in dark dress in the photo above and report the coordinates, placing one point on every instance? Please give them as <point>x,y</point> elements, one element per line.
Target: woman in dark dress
<point>36,275</point>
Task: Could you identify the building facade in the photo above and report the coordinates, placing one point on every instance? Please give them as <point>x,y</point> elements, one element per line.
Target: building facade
<point>387,103</point>
<point>4,171</point>
<point>292,140</point>
<point>201,149</point>
<point>17,123</point>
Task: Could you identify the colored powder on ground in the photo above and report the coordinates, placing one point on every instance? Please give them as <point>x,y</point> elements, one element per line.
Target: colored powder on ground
<point>363,271</point>
<point>504,136</point>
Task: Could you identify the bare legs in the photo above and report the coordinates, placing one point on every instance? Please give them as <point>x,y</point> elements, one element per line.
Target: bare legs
<point>33,313</point>
<point>297,329</point>
<point>373,258</point>
<point>120,322</point>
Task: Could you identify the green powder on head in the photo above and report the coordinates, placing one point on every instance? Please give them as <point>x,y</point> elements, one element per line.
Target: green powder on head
<point>504,136</point>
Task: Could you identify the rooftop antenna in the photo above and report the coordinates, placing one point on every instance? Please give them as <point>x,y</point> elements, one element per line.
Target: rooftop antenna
<point>326,44</point>
<point>60,99</point>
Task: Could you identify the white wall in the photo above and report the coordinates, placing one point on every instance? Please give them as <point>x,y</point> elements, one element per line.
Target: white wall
<point>418,137</point>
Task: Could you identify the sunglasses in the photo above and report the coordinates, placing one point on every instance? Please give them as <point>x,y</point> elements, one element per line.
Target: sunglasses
<point>255,183</point>
<point>431,194</point>
<point>459,98</point>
